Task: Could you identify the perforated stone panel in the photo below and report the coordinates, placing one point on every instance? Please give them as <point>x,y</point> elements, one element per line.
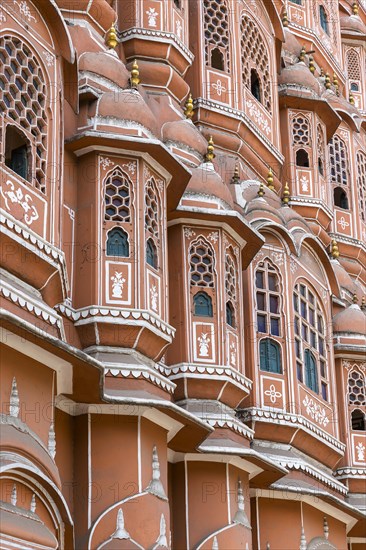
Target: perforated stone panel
<point>356,388</point>
<point>201,265</point>
<point>230,278</point>
<point>254,54</point>
<point>300,130</point>
<point>117,197</point>
<point>23,97</point>
<point>151,209</point>
<point>353,65</point>
<point>361,184</point>
<point>338,160</point>
<point>216,27</point>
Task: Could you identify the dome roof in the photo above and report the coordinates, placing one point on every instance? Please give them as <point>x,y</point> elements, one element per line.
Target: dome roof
<point>352,23</point>
<point>206,181</point>
<point>299,75</point>
<point>129,106</point>
<point>352,320</point>
<point>185,132</point>
<point>107,65</point>
<point>343,278</point>
<point>291,43</point>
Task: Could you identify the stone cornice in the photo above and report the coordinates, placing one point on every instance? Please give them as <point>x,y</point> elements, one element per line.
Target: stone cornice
<point>208,371</point>
<point>159,36</point>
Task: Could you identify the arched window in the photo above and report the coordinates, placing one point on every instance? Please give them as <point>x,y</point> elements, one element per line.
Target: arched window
<point>340,198</point>
<point>117,198</point>
<point>320,149</point>
<point>323,19</point>
<point>201,260</point>
<point>117,243</point>
<point>358,420</point>
<point>302,158</point>
<point>217,38</point>
<point>254,55</point>
<point>361,184</point>
<point>152,210</point>
<point>255,86</point>
<point>230,314</point>
<point>301,130</point>
<point>353,65</point>
<point>356,388</point>
<point>311,372</point>
<point>338,160</point>
<point>23,99</point>
<point>354,87</point>
<point>311,355</point>
<point>151,254</point>
<point>17,152</point>
<point>268,299</point>
<point>270,356</point>
<point>298,2</point>
<point>178,4</point>
<point>202,304</point>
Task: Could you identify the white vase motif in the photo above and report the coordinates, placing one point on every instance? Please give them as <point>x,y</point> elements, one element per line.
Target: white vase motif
<point>203,343</point>
<point>152,16</point>
<point>154,298</point>
<point>360,449</point>
<point>117,284</point>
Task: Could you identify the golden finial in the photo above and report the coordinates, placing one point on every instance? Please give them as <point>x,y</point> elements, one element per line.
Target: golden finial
<point>261,192</point>
<point>363,303</point>
<point>270,180</point>
<point>302,54</point>
<point>210,155</point>
<point>236,178</point>
<point>327,81</point>
<point>286,194</point>
<point>351,98</point>
<point>189,107</point>
<point>135,75</point>
<point>354,298</point>
<point>321,72</point>
<point>311,65</point>
<point>334,250</point>
<point>335,83</point>
<point>285,19</point>
<point>355,8</point>
<point>111,37</point>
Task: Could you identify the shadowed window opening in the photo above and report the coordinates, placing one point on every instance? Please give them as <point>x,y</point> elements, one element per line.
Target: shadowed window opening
<point>323,19</point>
<point>230,314</point>
<point>255,86</point>
<point>151,254</point>
<point>217,59</point>
<point>311,373</point>
<point>358,420</point>
<point>17,156</point>
<point>340,198</point>
<point>302,158</point>
<point>202,303</point>
<point>270,356</point>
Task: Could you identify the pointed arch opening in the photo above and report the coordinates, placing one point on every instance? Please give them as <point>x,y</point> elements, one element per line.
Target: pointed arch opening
<point>302,158</point>
<point>340,198</point>
<point>202,305</point>
<point>270,356</point>
<point>118,243</point>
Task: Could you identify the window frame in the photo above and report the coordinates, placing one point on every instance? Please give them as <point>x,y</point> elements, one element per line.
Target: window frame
<point>267,342</point>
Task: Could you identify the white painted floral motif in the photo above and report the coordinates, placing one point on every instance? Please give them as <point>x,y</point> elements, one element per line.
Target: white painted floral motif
<point>233,353</point>
<point>16,196</point>
<point>315,411</point>
<point>219,87</point>
<point>154,298</point>
<point>105,162</point>
<point>49,58</point>
<point>293,265</point>
<point>297,16</point>
<point>360,450</point>
<point>214,236</point>
<point>273,394</point>
<point>152,16</point>
<point>304,182</point>
<point>117,284</point>
<point>277,258</point>
<point>24,10</point>
<point>130,166</point>
<point>343,223</point>
<point>255,112</point>
<point>189,233</point>
<point>178,29</point>
<point>203,344</point>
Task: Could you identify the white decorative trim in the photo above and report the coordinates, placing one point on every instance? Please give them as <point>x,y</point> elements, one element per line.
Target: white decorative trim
<point>25,10</point>
<point>258,116</point>
<point>18,424</point>
<point>14,403</point>
<point>16,196</point>
<point>105,162</point>
<point>315,411</point>
<point>240,517</point>
<point>289,419</point>
<point>224,372</point>
<point>160,36</point>
<point>142,371</point>
<point>50,60</point>
<point>155,486</point>
<point>120,532</point>
<point>162,541</point>
<point>103,314</point>
<point>52,441</point>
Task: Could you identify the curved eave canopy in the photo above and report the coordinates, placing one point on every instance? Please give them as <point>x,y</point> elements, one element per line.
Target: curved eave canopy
<point>53,17</point>
<point>318,249</point>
